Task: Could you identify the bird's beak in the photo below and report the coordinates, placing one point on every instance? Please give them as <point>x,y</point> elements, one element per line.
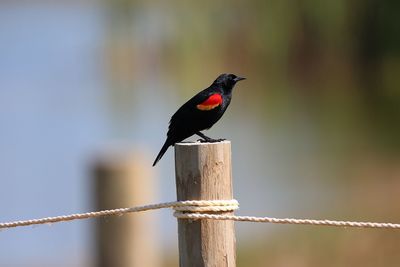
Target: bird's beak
<point>239,79</point>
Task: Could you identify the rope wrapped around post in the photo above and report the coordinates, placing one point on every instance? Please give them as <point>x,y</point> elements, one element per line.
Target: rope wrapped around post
<point>185,210</point>
<point>205,206</point>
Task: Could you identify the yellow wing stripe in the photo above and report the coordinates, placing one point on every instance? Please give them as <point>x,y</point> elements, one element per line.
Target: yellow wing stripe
<point>207,107</point>
<point>211,102</point>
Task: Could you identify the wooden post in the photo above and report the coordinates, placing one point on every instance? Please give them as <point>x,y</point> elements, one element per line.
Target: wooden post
<point>125,180</point>
<point>203,172</point>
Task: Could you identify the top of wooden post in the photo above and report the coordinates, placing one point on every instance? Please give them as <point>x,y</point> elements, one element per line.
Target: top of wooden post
<point>203,171</point>
<point>202,143</point>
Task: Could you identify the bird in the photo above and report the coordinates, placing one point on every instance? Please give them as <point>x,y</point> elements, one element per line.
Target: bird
<point>200,112</point>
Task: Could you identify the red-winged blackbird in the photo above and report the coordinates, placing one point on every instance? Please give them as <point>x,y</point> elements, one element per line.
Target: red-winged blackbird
<point>200,112</point>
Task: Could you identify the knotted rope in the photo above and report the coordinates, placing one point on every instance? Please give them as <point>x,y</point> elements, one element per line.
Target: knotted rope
<point>200,209</point>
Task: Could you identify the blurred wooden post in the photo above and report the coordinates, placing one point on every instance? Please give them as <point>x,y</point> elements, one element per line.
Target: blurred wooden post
<point>203,172</point>
<point>125,180</point>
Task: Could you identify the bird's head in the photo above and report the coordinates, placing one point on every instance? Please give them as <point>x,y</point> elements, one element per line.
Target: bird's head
<point>228,81</point>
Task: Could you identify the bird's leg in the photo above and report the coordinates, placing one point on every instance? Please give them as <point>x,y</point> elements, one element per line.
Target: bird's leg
<point>207,139</point>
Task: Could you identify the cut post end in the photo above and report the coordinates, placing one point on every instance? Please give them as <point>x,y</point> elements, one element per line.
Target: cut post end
<point>197,143</point>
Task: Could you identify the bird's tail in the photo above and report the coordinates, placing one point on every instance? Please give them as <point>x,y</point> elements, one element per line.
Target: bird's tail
<point>162,151</point>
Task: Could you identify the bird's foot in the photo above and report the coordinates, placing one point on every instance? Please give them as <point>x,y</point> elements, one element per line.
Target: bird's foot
<point>211,140</point>
<point>206,139</point>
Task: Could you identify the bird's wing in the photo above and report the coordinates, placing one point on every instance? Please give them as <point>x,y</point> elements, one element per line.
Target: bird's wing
<point>195,107</point>
<point>205,100</point>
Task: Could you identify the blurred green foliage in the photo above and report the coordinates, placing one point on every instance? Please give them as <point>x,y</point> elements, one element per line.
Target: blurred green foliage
<point>337,60</point>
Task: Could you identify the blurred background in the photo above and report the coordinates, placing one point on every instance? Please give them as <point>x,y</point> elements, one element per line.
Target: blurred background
<point>315,128</point>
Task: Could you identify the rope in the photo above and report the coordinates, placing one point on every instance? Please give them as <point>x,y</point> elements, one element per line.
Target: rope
<point>195,216</point>
<point>184,206</point>
<point>199,209</point>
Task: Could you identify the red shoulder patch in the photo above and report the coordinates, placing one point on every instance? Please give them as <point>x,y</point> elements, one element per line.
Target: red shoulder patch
<point>211,102</point>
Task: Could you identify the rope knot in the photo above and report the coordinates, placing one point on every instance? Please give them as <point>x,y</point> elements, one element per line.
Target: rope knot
<point>192,207</point>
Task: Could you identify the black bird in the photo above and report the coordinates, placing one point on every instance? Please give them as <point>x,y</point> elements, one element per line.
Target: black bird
<point>200,112</point>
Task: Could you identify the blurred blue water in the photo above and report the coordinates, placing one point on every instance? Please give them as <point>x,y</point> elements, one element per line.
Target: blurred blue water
<point>51,117</point>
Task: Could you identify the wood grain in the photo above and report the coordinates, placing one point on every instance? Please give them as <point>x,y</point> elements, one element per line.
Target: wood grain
<point>203,172</point>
